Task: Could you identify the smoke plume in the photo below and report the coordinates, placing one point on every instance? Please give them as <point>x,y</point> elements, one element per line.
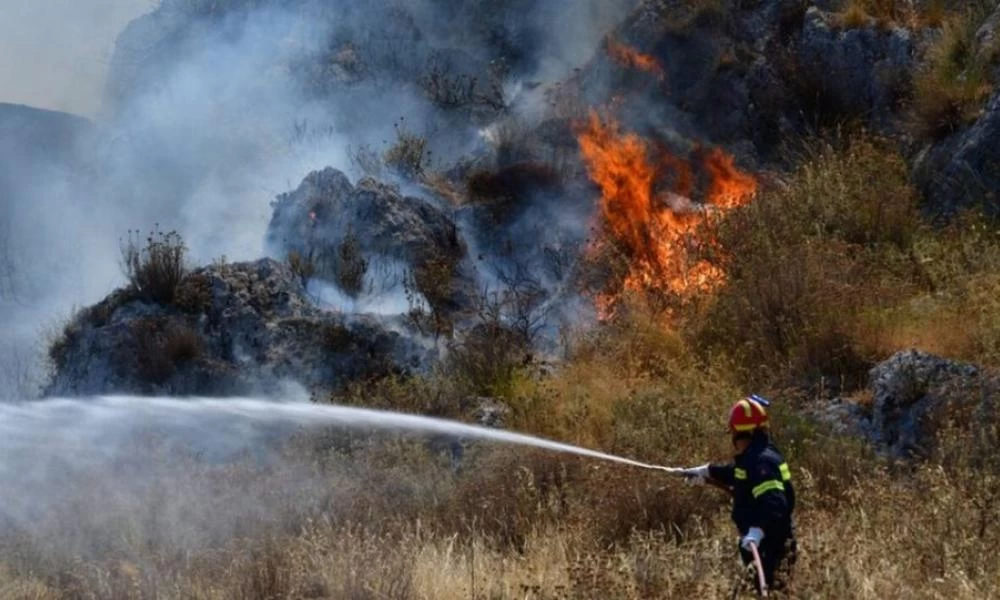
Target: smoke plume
<point>211,109</point>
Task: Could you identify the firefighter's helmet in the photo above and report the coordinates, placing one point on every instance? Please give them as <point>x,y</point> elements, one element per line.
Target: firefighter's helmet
<point>747,415</point>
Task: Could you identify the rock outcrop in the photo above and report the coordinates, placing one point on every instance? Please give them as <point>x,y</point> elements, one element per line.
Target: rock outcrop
<point>963,170</point>
<point>746,75</point>
<point>914,394</point>
<point>858,71</point>
<point>347,233</point>
<point>231,329</point>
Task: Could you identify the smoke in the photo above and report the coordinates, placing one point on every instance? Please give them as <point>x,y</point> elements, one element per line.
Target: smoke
<point>210,113</point>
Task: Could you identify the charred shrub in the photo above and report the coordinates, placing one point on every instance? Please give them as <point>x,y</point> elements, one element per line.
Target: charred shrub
<point>350,265</point>
<point>488,357</point>
<point>434,278</point>
<point>502,190</point>
<point>62,344</point>
<point>162,347</point>
<point>194,294</point>
<point>155,267</point>
<point>409,156</point>
<point>337,339</point>
<point>302,264</point>
<point>449,89</point>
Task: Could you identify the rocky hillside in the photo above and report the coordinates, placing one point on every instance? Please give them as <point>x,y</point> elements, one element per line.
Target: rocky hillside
<point>501,235</point>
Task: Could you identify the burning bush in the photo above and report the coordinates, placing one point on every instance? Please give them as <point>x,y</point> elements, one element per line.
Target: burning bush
<point>630,57</point>
<point>155,268</point>
<point>649,215</point>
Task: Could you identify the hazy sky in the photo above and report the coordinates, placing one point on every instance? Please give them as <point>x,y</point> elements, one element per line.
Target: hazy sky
<point>55,53</point>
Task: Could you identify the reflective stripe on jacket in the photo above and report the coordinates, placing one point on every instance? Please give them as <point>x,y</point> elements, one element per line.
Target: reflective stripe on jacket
<point>763,495</point>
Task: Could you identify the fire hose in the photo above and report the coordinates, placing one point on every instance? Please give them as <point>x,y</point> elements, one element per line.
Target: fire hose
<point>758,566</point>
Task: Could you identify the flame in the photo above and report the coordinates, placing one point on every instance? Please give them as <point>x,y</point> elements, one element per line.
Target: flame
<point>655,228</point>
<point>630,57</point>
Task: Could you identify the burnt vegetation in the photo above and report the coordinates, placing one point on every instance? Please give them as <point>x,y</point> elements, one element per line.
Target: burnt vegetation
<point>155,265</point>
<point>162,347</point>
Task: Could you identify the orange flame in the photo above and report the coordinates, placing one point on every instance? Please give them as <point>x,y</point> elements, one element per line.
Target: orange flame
<point>654,227</point>
<point>630,57</point>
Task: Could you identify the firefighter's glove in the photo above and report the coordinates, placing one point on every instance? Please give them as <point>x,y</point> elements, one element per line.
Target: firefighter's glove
<point>754,537</point>
<point>696,475</point>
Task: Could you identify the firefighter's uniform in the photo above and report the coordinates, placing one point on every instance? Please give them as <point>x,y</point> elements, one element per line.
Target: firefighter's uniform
<point>763,497</point>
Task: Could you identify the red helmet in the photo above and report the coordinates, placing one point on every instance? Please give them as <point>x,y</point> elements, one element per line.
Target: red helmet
<point>747,415</point>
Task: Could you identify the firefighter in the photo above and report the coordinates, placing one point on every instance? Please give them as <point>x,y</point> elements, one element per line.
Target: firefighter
<point>761,486</point>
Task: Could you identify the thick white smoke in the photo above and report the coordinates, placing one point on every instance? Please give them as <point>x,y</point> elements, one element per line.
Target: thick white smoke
<point>208,119</point>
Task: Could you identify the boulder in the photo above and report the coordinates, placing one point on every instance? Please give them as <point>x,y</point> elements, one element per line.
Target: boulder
<point>859,71</point>
<point>913,394</point>
<point>909,394</point>
<point>964,170</point>
<point>231,329</point>
<point>347,232</point>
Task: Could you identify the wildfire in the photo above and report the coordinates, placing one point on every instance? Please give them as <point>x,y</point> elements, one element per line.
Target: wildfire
<point>647,212</point>
<point>630,57</point>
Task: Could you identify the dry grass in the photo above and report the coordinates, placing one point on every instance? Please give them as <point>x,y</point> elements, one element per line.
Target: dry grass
<point>522,524</point>
<point>912,14</point>
<point>954,84</point>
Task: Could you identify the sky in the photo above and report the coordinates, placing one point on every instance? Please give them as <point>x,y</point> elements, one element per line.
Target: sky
<point>68,75</point>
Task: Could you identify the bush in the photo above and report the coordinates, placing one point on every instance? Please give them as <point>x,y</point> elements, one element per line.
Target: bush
<point>488,357</point>
<point>302,264</point>
<point>161,347</point>
<point>451,90</point>
<point>409,156</point>
<point>194,294</point>
<point>350,265</point>
<point>806,260</point>
<point>155,269</point>
<point>954,84</point>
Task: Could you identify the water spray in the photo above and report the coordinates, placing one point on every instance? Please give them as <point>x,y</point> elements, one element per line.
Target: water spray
<point>87,421</point>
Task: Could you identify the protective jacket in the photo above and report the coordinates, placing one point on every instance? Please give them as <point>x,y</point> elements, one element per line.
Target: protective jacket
<point>763,495</point>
